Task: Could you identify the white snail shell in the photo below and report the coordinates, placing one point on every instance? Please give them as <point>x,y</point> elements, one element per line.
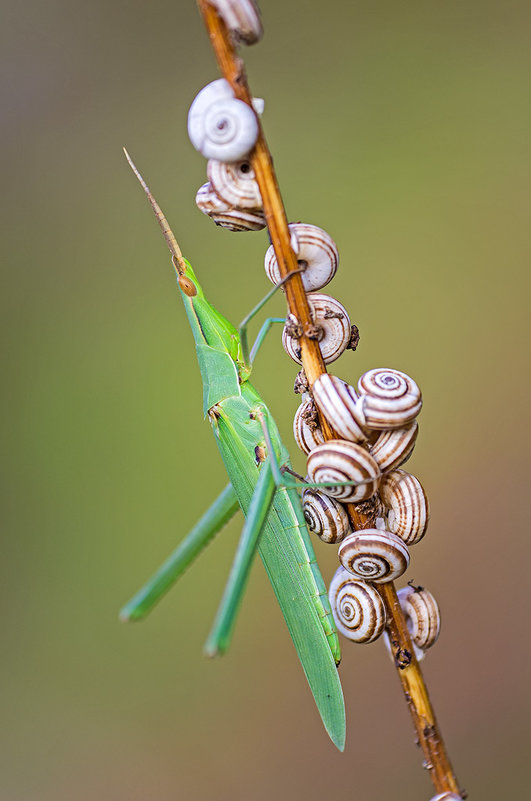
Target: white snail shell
<point>409,509</point>
<point>338,402</point>
<point>233,219</point>
<point>357,607</point>
<point>337,461</point>
<point>422,615</point>
<point>242,18</point>
<point>391,399</point>
<point>394,447</point>
<point>324,516</point>
<point>316,251</point>
<point>331,316</point>
<point>234,183</point>
<point>220,126</point>
<point>306,437</point>
<point>374,555</point>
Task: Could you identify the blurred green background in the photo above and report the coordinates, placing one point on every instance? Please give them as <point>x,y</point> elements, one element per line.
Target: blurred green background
<point>403,130</point>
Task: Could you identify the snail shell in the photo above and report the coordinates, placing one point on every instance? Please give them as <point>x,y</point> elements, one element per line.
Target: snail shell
<point>339,403</point>
<point>233,219</point>
<point>316,253</point>
<point>393,448</point>
<point>242,18</point>
<point>235,184</point>
<point>306,436</point>
<point>333,329</point>
<point>324,516</point>
<point>409,509</point>
<point>447,797</point>
<point>337,461</point>
<point>374,555</point>
<point>220,126</point>
<point>391,650</point>
<point>422,615</point>
<point>357,607</point>
<point>391,399</point>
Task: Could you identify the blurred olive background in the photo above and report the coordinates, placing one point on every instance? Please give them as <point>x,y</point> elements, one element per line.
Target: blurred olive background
<point>403,130</point>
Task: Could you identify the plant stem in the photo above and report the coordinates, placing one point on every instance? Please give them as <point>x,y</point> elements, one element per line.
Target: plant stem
<point>429,738</point>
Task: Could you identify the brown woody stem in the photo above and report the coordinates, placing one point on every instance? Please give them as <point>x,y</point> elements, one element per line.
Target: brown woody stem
<point>429,737</point>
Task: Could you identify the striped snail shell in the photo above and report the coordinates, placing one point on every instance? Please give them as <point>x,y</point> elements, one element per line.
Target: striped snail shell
<point>220,126</point>
<point>324,516</point>
<point>447,797</point>
<point>306,435</point>
<point>357,607</point>
<point>409,509</point>
<point>316,253</point>
<point>338,402</point>
<point>242,18</point>
<point>393,448</point>
<point>422,615</point>
<point>374,555</point>
<point>233,219</point>
<point>234,183</point>
<point>337,461</point>
<point>391,399</point>
<point>333,329</point>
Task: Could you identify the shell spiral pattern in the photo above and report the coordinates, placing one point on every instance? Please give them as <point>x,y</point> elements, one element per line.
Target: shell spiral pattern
<point>338,402</point>
<point>422,615</point>
<point>409,510</point>
<point>374,555</point>
<point>393,448</point>
<point>232,219</point>
<point>316,253</point>
<point>324,516</point>
<point>357,607</point>
<point>331,317</point>
<point>391,399</point>
<point>338,461</point>
<point>234,182</point>
<point>306,437</point>
<point>220,126</point>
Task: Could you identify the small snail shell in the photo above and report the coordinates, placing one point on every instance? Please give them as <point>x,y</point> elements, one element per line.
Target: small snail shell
<point>316,253</point>
<point>335,331</point>
<point>409,509</point>
<point>391,399</point>
<point>392,448</point>
<point>422,615</point>
<point>374,555</point>
<point>234,183</point>
<point>447,797</point>
<point>233,219</point>
<point>339,404</point>
<point>324,516</point>
<point>306,436</point>
<point>220,126</point>
<point>337,461</point>
<point>357,607</point>
<point>242,18</point>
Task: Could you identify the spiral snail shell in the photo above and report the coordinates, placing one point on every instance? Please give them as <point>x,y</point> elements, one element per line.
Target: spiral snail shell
<point>307,436</point>
<point>394,447</point>
<point>447,797</point>
<point>391,399</point>
<point>324,516</point>
<point>339,403</point>
<point>409,509</point>
<point>332,324</point>
<point>242,18</point>
<point>214,207</point>
<point>422,615</point>
<point>220,126</point>
<point>235,184</point>
<point>338,461</point>
<point>374,555</point>
<point>357,607</point>
<point>316,252</point>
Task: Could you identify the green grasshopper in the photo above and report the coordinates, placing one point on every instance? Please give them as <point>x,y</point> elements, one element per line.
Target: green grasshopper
<point>251,449</point>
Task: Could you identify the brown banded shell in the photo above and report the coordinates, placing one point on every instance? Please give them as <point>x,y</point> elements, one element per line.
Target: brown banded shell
<point>338,402</point>
<point>233,219</point>
<point>307,436</point>
<point>242,18</point>
<point>393,448</point>
<point>357,607</point>
<point>235,184</point>
<point>374,555</point>
<point>332,324</point>
<point>407,504</point>
<point>316,253</point>
<point>324,516</point>
<point>422,615</point>
<point>391,399</point>
<point>338,461</point>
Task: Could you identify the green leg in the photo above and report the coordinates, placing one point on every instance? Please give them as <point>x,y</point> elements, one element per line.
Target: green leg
<point>221,511</point>
<point>220,635</point>
<point>264,331</point>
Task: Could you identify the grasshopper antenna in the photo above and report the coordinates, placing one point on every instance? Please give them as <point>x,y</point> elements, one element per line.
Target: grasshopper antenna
<point>177,257</point>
